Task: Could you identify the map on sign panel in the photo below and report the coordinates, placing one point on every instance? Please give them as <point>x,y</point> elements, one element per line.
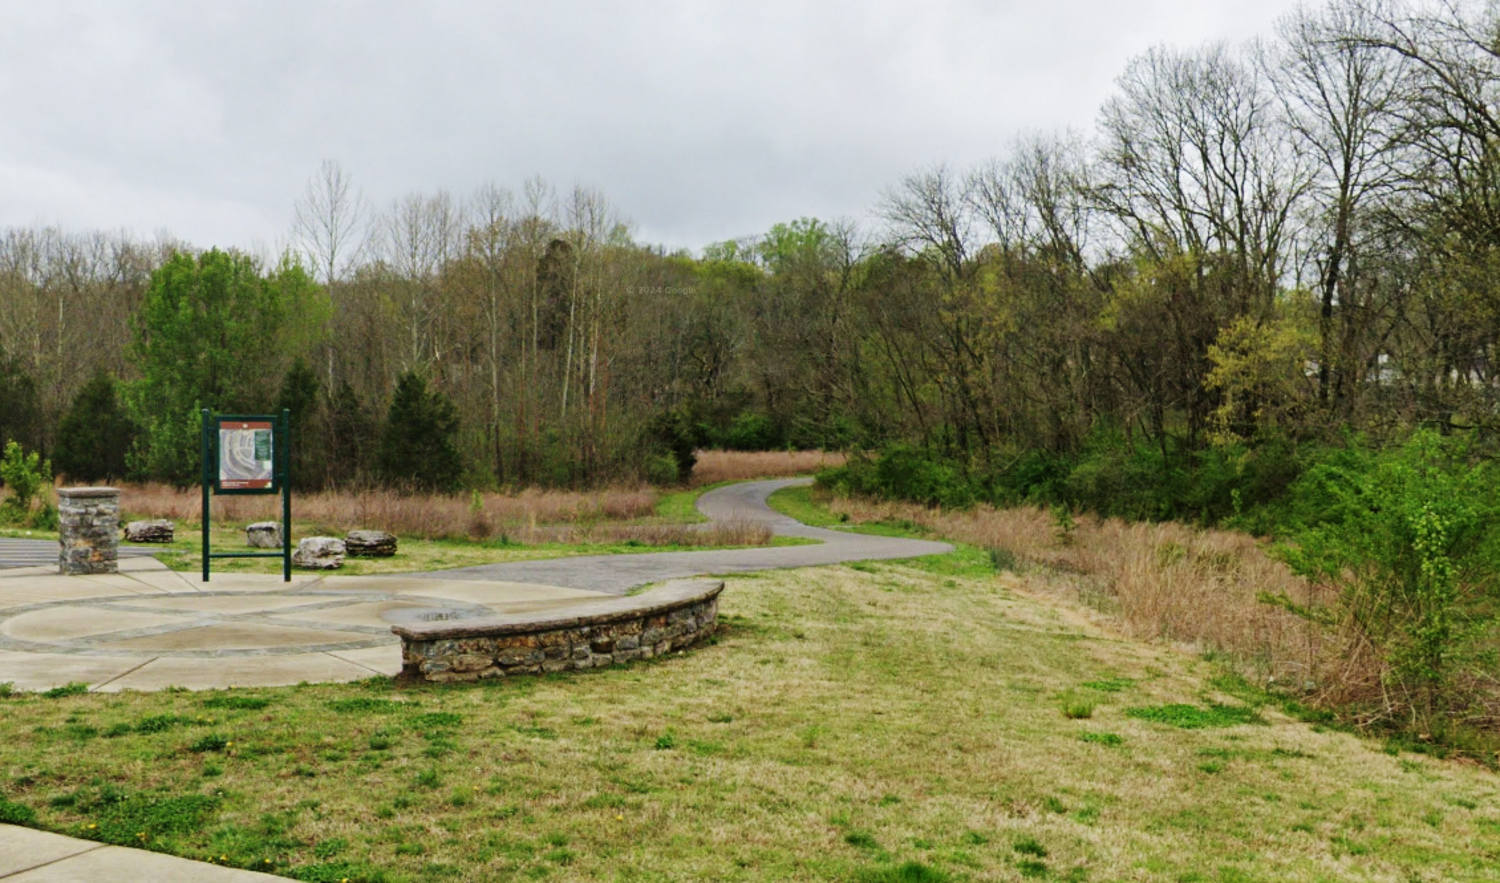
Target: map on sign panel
<point>244,455</point>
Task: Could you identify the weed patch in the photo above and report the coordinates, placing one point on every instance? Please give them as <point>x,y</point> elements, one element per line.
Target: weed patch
<point>1076,708</point>
<point>211,742</point>
<point>237,703</point>
<point>367,705</point>
<point>12,813</point>
<point>907,872</point>
<point>140,819</point>
<point>158,723</point>
<point>1108,685</point>
<point>72,689</point>
<point>1113,740</point>
<point>1193,717</point>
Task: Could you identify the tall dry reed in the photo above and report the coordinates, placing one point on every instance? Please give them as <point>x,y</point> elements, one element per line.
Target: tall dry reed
<point>416,515</point>
<point>1164,581</point>
<point>715,466</point>
<point>529,517</point>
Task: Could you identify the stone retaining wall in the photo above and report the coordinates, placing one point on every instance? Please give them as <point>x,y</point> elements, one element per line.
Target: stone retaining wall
<point>586,635</point>
<point>88,530</point>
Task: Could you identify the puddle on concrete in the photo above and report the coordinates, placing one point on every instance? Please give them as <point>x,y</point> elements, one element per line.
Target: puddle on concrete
<point>412,615</point>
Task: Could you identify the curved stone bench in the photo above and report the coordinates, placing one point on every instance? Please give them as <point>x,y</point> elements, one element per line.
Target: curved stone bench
<point>587,635</point>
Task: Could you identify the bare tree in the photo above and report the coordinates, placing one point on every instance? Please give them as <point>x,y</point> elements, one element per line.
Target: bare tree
<point>1197,165</point>
<point>329,227</point>
<point>929,214</point>
<point>1342,99</point>
<point>419,236</point>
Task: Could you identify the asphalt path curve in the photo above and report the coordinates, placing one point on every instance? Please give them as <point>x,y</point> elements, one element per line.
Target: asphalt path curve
<point>15,552</point>
<point>746,501</point>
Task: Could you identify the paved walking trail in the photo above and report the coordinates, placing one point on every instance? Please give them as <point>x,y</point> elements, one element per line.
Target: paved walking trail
<point>148,628</point>
<point>617,574</point>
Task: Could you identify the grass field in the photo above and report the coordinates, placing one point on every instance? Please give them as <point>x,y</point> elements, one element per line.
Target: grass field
<point>942,719</point>
<point>413,556</point>
<point>894,721</point>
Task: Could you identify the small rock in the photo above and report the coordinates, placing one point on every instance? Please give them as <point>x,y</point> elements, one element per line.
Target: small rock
<point>264,535</point>
<point>319,553</point>
<point>370,544</point>
<point>155,531</point>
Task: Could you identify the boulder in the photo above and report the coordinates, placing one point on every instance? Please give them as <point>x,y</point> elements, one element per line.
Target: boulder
<point>370,544</point>
<point>264,535</point>
<point>158,530</point>
<point>319,553</point>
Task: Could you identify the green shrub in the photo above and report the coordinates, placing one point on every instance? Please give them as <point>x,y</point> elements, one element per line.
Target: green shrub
<point>1133,480</point>
<point>904,473</point>
<point>750,431</point>
<point>672,432</point>
<point>1409,539</point>
<point>24,476</point>
<point>660,470</point>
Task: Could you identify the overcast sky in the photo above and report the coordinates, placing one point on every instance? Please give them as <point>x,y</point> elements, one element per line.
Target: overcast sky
<point>698,121</point>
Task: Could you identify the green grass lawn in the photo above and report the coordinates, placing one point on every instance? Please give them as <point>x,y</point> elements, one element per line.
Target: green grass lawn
<point>681,506</point>
<point>413,555</point>
<point>801,503</point>
<point>890,721</point>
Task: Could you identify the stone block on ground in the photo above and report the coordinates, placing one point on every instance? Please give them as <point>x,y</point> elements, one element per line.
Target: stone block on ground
<point>264,535</point>
<point>319,553</point>
<point>157,530</point>
<point>370,544</point>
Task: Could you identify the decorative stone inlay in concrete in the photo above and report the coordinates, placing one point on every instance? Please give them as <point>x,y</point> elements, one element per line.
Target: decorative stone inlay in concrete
<point>88,530</point>
<point>588,635</point>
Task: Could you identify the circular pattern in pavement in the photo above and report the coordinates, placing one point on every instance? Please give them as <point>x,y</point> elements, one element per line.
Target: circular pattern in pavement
<point>217,624</point>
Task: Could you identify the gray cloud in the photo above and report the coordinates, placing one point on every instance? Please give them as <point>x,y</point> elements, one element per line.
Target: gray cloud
<point>699,121</point>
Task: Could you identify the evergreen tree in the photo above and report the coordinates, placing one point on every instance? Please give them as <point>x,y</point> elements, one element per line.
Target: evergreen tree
<point>20,408</point>
<point>94,434</point>
<point>351,436</point>
<point>299,397</point>
<point>417,448</point>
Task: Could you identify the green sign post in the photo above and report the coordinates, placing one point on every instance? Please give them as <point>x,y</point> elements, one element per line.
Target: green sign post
<point>248,454</point>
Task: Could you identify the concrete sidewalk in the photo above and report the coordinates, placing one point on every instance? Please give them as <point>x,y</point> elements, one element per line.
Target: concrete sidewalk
<point>149,628</point>
<point>40,857</point>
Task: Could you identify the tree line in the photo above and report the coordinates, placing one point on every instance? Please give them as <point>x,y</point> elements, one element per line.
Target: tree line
<point>1260,246</point>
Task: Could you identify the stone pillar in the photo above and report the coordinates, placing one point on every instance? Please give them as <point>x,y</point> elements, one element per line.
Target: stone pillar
<point>88,529</point>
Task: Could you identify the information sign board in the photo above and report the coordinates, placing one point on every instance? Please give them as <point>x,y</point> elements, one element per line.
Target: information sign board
<point>246,455</point>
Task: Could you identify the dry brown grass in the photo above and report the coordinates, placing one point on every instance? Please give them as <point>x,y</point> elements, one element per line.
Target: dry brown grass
<point>716,466</point>
<point>428,516</point>
<point>530,517</point>
<point>1164,581</point>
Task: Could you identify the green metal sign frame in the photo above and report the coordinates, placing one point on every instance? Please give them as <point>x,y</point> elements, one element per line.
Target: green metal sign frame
<point>263,428</point>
